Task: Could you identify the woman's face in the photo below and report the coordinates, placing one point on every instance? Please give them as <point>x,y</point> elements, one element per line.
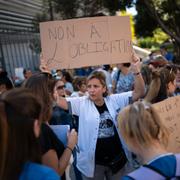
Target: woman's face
<point>60,88</point>
<point>95,90</point>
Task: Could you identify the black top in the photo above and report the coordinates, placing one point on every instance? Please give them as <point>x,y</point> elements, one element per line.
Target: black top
<point>108,143</point>
<point>49,140</point>
<point>60,116</point>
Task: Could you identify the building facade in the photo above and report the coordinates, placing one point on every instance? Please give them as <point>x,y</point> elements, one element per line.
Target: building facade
<point>19,41</point>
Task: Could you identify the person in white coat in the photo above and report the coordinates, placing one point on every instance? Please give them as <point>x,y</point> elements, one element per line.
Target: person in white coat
<point>101,153</point>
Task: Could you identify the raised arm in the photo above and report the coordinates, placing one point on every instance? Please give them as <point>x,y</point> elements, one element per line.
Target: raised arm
<point>60,101</point>
<point>139,86</point>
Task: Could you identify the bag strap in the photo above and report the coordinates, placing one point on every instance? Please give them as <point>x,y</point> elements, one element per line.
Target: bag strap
<point>69,107</point>
<point>117,78</point>
<point>118,74</point>
<point>73,121</point>
<point>146,173</point>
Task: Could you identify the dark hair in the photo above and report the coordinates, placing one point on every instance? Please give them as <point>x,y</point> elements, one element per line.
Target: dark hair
<point>41,85</point>
<point>25,71</point>
<point>3,138</point>
<point>21,110</point>
<point>126,64</point>
<point>101,77</point>
<point>67,76</point>
<point>5,80</point>
<point>78,82</point>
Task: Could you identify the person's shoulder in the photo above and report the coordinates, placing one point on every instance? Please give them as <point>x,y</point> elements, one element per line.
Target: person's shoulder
<point>165,164</point>
<point>37,171</point>
<point>48,137</point>
<point>45,129</point>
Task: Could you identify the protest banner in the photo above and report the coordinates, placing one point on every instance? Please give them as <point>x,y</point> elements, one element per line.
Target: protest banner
<point>86,42</point>
<point>169,111</point>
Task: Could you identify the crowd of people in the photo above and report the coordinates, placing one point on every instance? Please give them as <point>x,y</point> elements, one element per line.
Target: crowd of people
<point>115,133</point>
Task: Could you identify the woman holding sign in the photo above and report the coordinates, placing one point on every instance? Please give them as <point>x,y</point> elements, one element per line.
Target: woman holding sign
<point>101,153</point>
<point>147,137</point>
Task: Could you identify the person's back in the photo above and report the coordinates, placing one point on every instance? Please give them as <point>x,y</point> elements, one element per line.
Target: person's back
<point>147,137</point>
<point>165,166</point>
<point>54,154</point>
<point>22,112</point>
<point>37,172</point>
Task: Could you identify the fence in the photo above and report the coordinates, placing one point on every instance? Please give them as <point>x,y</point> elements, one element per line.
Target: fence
<point>19,48</point>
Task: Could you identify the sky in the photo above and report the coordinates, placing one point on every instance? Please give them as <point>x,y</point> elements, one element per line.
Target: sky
<point>132,11</point>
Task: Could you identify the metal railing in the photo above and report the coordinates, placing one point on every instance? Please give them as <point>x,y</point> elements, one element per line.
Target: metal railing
<point>19,48</point>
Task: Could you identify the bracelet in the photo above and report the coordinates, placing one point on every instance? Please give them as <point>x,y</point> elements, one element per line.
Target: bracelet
<point>137,73</point>
<point>69,148</point>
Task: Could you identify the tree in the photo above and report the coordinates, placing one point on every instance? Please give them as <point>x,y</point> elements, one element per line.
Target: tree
<point>167,14</point>
<point>144,23</point>
<point>68,9</point>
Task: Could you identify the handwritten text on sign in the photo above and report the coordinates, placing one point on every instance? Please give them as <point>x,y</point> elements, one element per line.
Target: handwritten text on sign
<point>86,41</point>
<point>170,115</point>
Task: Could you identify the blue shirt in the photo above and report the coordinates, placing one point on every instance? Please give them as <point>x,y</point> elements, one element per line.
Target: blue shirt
<point>166,165</point>
<point>38,172</point>
<point>124,83</point>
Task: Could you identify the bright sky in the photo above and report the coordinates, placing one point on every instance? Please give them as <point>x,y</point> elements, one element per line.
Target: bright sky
<point>131,11</point>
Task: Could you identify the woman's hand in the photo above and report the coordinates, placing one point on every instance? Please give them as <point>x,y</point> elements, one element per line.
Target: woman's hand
<point>135,65</point>
<point>72,138</point>
<point>43,65</point>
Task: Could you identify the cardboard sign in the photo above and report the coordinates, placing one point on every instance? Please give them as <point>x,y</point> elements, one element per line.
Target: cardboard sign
<point>169,111</point>
<point>86,41</point>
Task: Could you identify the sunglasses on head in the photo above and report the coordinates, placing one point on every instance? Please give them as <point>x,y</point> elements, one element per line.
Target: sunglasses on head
<point>60,87</point>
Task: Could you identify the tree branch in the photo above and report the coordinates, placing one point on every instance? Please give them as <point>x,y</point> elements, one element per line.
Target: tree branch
<point>149,4</point>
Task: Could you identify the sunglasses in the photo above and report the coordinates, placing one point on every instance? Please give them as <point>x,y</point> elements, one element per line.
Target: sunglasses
<point>60,87</point>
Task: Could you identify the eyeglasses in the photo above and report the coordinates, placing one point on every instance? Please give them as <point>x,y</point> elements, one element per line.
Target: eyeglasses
<point>60,87</point>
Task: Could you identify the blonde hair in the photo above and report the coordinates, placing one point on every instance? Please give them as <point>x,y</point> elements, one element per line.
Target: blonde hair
<point>141,123</point>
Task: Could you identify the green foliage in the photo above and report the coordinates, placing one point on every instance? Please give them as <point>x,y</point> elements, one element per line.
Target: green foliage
<point>66,8</point>
<point>155,41</point>
<point>144,23</point>
<point>166,13</point>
